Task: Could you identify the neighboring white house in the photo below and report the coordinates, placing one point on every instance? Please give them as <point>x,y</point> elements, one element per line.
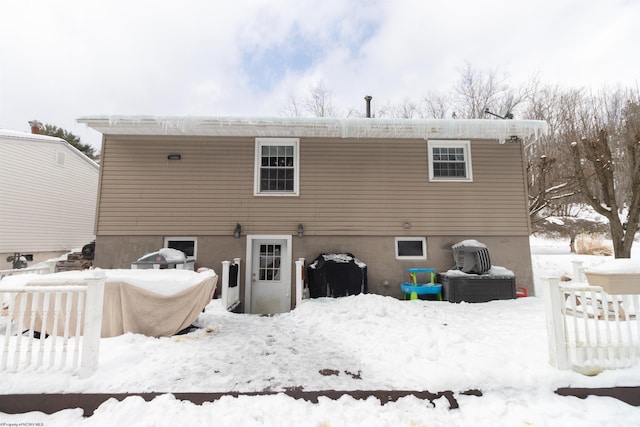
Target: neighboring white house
<point>48,192</point>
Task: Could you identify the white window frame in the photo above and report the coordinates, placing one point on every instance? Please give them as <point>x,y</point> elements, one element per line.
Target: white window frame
<point>465,145</point>
<point>261,142</point>
<point>411,239</point>
<point>187,238</point>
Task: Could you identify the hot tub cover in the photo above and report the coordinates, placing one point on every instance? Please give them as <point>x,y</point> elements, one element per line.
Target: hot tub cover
<point>150,302</point>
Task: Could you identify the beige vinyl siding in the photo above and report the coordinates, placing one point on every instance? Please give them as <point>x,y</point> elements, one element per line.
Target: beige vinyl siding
<point>347,187</point>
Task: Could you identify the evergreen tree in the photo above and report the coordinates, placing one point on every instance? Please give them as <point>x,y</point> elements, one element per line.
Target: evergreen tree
<point>52,130</point>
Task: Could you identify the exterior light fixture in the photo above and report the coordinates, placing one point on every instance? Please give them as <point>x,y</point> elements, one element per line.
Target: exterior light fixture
<point>174,157</point>
<point>300,230</point>
<point>237,231</point>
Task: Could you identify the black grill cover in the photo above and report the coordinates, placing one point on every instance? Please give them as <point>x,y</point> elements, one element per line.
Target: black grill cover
<point>336,275</point>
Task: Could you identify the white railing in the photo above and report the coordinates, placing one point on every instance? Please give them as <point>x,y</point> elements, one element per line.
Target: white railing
<point>49,267</point>
<point>299,281</point>
<point>52,327</point>
<point>590,330</point>
<point>230,292</point>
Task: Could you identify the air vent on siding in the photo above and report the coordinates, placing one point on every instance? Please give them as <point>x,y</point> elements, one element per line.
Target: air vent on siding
<point>59,158</point>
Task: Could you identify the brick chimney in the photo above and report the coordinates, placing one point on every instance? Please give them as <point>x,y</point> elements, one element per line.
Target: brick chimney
<point>35,126</point>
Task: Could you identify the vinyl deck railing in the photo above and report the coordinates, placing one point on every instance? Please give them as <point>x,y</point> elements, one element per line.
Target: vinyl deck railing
<point>230,290</point>
<point>52,327</point>
<point>589,330</point>
<point>49,267</point>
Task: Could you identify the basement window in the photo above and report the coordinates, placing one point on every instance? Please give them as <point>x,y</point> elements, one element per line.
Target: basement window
<point>188,245</point>
<point>411,248</point>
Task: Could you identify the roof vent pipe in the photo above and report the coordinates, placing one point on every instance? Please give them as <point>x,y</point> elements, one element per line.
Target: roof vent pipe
<point>368,99</point>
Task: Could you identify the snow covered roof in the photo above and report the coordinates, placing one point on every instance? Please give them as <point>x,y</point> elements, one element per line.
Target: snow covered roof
<point>12,135</point>
<point>501,130</point>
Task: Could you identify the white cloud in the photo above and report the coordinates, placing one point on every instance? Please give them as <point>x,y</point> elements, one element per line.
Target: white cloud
<point>64,59</point>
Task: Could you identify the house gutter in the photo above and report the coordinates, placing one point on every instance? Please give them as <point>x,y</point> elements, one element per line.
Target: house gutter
<point>372,128</point>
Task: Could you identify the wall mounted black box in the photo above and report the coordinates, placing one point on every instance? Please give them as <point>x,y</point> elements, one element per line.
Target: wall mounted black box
<point>476,288</point>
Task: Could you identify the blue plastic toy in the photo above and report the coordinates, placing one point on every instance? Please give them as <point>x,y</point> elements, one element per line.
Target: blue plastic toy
<point>414,288</point>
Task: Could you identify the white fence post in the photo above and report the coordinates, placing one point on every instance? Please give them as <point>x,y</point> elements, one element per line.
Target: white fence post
<point>224,291</point>
<point>51,265</point>
<point>299,281</point>
<point>92,325</point>
<point>236,261</point>
<point>555,324</point>
<point>230,295</point>
<point>578,271</point>
<point>235,291</point>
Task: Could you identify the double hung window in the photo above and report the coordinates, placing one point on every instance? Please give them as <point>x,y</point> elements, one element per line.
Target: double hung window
<point>277,167</point>
<point>450,161</point>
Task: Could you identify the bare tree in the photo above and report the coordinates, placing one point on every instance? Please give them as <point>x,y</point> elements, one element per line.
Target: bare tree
<point>476,92</point>
<point>407,109</point>
<point>607,154</point>
<point>293,108</point>
<point>317,102</point>
<point>544,195</point>
<point>436,106</point>
<point>552,186</point>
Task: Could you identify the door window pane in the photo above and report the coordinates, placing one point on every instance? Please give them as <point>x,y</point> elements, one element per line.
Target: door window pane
<point>269,269</point>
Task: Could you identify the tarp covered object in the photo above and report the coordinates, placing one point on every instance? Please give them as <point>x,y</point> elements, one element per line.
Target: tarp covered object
<point>157,303</point>
<point>336,275</point>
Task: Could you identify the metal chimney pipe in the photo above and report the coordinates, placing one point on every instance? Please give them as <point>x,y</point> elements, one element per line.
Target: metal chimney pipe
<point>368,99</point>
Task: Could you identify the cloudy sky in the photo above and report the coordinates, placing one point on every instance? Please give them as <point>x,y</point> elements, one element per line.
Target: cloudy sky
<point>63,59</point>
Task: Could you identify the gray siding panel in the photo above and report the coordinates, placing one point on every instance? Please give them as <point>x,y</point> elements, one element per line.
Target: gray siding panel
<point>45,206</point>
<point>350,187</point>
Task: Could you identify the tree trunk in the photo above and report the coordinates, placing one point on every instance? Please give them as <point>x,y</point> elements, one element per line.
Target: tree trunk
<point>620,249</point>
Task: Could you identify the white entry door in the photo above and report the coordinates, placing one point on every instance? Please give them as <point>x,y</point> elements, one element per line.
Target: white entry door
<point>270,275</point>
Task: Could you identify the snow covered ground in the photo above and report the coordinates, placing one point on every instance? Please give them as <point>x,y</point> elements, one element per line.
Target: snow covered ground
<point>364,342</point>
